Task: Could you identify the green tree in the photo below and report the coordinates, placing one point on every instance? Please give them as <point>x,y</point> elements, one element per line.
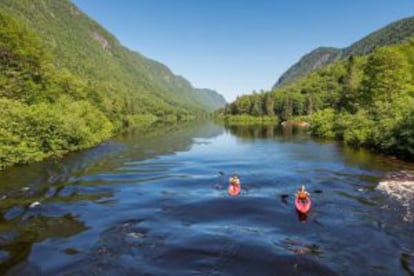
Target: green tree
<point>348,100</point>
<point>386,75</point>
<point>257,106</point>
<point>269,104</point>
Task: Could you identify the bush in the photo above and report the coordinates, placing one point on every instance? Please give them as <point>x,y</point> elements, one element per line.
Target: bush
<point>404,134</point>
<point>359,130</point>
<point>31,133</point>
<point>322,123</point>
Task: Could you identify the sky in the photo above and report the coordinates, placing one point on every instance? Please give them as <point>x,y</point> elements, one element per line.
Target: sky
<point>237,46</point>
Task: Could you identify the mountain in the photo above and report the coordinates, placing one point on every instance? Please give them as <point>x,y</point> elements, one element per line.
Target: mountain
<point>362,95</point>
<point>317,58</point>
<point>389,35</point>
<point>67,84</point>
<point>211,98</point>
<point>83,47</point>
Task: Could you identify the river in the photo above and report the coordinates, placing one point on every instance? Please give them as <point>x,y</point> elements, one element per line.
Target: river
<point>153,201</point>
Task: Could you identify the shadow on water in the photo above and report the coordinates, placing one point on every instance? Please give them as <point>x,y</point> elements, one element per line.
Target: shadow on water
<point>154,201</point>
<point>302,217</point>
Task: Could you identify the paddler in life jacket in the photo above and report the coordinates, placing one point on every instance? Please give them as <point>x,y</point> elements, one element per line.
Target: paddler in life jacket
<point>234,180</point>
<point>302,194</point>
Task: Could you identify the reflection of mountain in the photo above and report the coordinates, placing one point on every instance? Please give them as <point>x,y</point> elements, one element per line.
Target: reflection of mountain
<point>160,138</point>
<point>55,181</point>
<point>60,188</point>
<point>136,144</point>
<point>58,180</point>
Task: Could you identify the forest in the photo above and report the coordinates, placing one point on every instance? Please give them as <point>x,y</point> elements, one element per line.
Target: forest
<point>364,101</point>
<point>67,84</point>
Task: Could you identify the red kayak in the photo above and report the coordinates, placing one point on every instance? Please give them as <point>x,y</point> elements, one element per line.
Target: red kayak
<point>303,206</point>
<point>234,189</point>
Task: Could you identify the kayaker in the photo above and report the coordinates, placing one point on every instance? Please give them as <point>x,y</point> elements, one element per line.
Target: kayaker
<point>302,194</point>
<point>234,186</point>
<point>234,180</point>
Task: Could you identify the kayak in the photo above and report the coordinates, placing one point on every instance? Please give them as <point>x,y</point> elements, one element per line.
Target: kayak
<point>234,189</point>
<point>303,206</point>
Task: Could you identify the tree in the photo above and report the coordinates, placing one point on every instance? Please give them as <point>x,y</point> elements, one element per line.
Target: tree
<point>269,104</point>
<point>349,97</point>
<point>287,108</point>
<point>257,106</point>
<point>309,105</point>
<point>386,75</point>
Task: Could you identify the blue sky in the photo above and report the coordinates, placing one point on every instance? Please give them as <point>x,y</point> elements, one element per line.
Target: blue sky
<point>237,46</point>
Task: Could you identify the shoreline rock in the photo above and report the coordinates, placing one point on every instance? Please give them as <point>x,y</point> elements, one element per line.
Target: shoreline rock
<point>295,123</point>
<point>400,186</point>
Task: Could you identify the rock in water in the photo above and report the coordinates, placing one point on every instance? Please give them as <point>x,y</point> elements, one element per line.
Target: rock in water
<point>400,186</point>
<point>34,204</point>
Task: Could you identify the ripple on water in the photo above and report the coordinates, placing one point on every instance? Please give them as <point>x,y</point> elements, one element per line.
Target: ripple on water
<point>162,208</point>
<point>132,246</point>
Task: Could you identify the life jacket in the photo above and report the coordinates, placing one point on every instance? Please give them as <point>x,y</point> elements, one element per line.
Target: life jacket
<point>234,181</point>
<point>302,195</point>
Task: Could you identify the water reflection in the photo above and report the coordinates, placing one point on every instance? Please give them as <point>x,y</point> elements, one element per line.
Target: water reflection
<point>55,185</point>
<point>268,131</point>
<point>154,201</point>
<point>136,144</point>
<point>367,159</point>
<point>301,216</point>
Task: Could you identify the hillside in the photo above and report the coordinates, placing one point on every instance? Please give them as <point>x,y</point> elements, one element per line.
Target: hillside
<point>67,84</point>
<point>317,58</point>
<point>391,34</point>
<point>83,47</point>
<point>365,100</point>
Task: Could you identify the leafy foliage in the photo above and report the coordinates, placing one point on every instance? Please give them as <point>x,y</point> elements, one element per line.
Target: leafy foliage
<point>364,101</point>
<point>67,84</point>
<point>391,34</point>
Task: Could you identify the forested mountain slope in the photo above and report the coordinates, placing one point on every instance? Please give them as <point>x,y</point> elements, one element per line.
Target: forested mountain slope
<point>67,84</point>
<point>365,100</point>
<point>80,45</point>
<point>393,33</point>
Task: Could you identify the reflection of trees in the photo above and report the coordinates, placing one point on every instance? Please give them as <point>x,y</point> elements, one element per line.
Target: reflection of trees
<point>265,131</point>
<point>54,181</point>
<point>161,138</point>
<point>135,144</point>
<point>290,129</point>
<point>17,238</point>
<point>367,159</point>
<point>253,131</point>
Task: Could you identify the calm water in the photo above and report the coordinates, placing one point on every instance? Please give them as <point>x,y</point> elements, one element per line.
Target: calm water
<point>154,201</point>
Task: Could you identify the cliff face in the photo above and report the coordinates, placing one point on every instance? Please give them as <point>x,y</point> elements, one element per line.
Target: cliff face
<point>316,59</point>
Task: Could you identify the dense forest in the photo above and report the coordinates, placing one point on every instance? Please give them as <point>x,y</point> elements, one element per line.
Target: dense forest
<point>67,84</point>
<point>364,100</point>
<point>393,33</point>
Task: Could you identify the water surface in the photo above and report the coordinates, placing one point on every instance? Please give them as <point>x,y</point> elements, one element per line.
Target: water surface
<point>153,201</point>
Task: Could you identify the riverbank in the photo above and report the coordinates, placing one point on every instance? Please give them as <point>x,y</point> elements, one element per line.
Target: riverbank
<point>38,132</point>
<point>247,119</point>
